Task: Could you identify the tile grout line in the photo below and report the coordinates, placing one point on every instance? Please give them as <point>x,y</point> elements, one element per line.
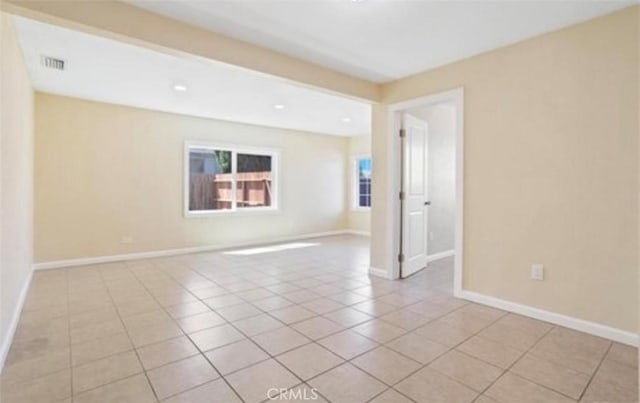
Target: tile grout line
<point>423,366</point>
<point>231,324</point>
<point>105,284</point>
<point>311,340</point>
<point>133,346</point>
<point>289,325</point>
<point>108,356</point>
<point>593,375</point>
<point>524,353</point>
<point>355,325</point>
<point>189,338</point>
<point>269,355</point>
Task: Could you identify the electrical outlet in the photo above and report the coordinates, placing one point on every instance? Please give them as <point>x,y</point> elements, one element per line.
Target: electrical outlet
<point>537,272</point>
<point>127,239</point>
<point>431,235</point>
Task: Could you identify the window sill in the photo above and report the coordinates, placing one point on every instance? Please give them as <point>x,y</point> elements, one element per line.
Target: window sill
<point>230,213</point>
<point>361,209</point>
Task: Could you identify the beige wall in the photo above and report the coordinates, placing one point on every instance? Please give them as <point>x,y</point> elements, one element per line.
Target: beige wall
<point>16,189</point>
<point>358,220</point>
<point>104,171</point>
<point>551,169</point>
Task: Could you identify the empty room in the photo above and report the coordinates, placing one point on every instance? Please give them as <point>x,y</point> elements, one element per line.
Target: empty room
<point>339,201</point>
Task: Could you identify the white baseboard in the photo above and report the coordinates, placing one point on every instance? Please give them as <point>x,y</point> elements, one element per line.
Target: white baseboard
<point>379,273</point>
<point>596,329</point>
<point>181,251</point>
<point>6,343</point>
<point>358,232</point>
<point>440,255</point>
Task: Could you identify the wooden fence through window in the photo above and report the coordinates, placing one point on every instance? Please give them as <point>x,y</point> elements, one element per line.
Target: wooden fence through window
<point>215,191</point>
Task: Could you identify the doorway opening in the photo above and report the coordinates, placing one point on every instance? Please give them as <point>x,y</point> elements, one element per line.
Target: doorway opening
<point>428,207</point>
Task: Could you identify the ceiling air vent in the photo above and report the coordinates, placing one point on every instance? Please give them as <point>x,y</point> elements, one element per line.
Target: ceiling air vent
<point>52,63</point>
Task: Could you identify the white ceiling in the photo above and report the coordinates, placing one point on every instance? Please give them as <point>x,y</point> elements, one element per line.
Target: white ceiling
<point>109,71</point>
<point>381,40</point>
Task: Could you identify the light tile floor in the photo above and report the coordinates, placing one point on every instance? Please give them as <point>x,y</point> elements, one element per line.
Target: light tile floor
<point>216,327</point>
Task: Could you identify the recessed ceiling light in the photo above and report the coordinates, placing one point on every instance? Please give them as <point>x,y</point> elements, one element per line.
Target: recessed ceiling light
<point>346,120</point>
<point>180,87</point>
<point>278,106</point>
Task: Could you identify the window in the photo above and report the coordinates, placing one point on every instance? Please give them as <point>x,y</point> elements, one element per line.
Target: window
<point>362,181</point>
<point>224,178</point>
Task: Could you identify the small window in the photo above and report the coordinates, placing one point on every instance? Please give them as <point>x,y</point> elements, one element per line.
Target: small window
<point>362,196</point>
<point>228,179</point>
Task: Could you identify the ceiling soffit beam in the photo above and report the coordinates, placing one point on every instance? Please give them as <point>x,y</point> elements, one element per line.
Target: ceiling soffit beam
<point>122,22</point>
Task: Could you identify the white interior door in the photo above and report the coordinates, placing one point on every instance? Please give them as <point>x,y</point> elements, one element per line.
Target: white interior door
<point>414,197</point>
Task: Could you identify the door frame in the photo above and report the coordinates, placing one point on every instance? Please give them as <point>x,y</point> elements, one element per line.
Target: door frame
<point>395,111</point>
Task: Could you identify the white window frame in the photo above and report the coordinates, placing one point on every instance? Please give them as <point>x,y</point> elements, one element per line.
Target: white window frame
<point>355,182</point>
<point>235,150</point>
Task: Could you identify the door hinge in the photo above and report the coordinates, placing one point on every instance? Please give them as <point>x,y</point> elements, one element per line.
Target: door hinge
<point>401,258</point>
<point>403,133</point>
<point>401,195</point>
